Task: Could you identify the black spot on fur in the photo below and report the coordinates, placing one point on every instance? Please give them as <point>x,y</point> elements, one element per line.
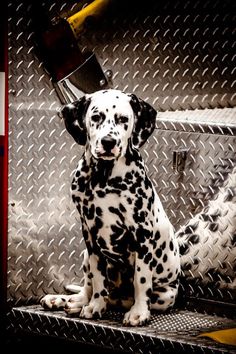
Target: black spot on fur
<point>139,216</point>
<point>104,292</point>
<point>85,235</point>
<point>154,298</point>
<point>85,168</point>
<point>142,251</point>
<point>99,211</point>
<point>163,245</point>
<point>163,280</point>
<point>112,273</point>
<point>80,184</point>
<point>139,203</point>
<point>118,231</point>
<point>117,212</point>
<point>89,212</point>
<point>153,263</point>
<point>159,269</point>
<point>122,208</point>
<point>161,289</point>
<point>159,253</point>
<point>128,176</point>
<point>101,193</point>
<point>98,222</point>
<point>101,171</point>
<point>160,302</point>
<point>165,258</point>
<point>117,183</point>
<point>148,258</point>
<point>157,235</point>
<point>102,243</point>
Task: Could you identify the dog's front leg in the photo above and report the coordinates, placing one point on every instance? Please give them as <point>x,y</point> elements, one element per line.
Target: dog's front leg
<point>75,302</point>
<point>98,302</point>
<point>140,311</point>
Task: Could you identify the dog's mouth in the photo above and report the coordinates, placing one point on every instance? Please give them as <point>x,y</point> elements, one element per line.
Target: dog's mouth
<point>106,155</point>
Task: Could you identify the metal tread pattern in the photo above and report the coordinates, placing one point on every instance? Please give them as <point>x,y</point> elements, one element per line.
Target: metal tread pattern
<point>174,331</point>
<point>216,116</point>
<point>44,230</point>
<point>176,56</point>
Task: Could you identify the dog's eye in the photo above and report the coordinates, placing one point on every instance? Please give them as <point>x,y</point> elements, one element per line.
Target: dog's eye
<point>96,118</point>
<point>121,120</point>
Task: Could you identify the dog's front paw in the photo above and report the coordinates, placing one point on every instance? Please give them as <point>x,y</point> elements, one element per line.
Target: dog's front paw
<point>75,303</point>
<point>53,302</point>
<point>94,309</point>
<point>137,316</point>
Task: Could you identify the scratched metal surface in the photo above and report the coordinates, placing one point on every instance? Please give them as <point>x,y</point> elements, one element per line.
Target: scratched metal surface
<point>44,230</point>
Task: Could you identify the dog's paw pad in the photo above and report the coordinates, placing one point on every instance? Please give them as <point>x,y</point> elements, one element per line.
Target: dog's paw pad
<point>136,317</point>
<point>93,310</point>
<point>75,303</point>
<point>53,302</point>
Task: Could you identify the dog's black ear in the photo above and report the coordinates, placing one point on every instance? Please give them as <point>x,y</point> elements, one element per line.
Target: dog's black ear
<point>145,119</point>
<point>74,118</point>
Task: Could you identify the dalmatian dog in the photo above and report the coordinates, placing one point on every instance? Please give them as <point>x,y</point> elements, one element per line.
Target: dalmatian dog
<point>132,257</point>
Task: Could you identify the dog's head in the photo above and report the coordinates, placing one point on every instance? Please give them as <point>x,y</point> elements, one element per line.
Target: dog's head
<point>108,120</point>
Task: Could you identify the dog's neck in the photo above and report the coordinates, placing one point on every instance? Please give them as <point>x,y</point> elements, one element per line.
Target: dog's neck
<point>101,170</point>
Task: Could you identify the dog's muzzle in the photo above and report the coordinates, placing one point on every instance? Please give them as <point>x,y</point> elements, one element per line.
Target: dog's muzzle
<point>108,148</point>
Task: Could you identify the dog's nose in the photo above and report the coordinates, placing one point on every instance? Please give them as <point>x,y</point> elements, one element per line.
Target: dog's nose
<point>108,143</point>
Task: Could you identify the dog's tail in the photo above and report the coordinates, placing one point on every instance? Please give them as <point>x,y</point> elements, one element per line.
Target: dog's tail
<point>72,288</point>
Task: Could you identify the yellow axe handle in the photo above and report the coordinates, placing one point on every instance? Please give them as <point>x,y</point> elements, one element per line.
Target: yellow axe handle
<point>76,21</point>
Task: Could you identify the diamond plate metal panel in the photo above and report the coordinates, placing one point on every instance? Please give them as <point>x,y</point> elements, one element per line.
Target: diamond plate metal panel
<point>43,223</point>
<point>183,65</point>
<point>175,55</point>
<point>176,331</point>
<point>185,194</point>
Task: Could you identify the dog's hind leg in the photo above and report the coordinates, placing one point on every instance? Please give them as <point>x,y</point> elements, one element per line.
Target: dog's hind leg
<point>74,302</point>
<point>54,301</point>
<point>73,288</point>
<point>164,296</point>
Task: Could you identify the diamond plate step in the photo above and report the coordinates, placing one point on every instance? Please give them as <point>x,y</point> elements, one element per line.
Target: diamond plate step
<point>174,331</point>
